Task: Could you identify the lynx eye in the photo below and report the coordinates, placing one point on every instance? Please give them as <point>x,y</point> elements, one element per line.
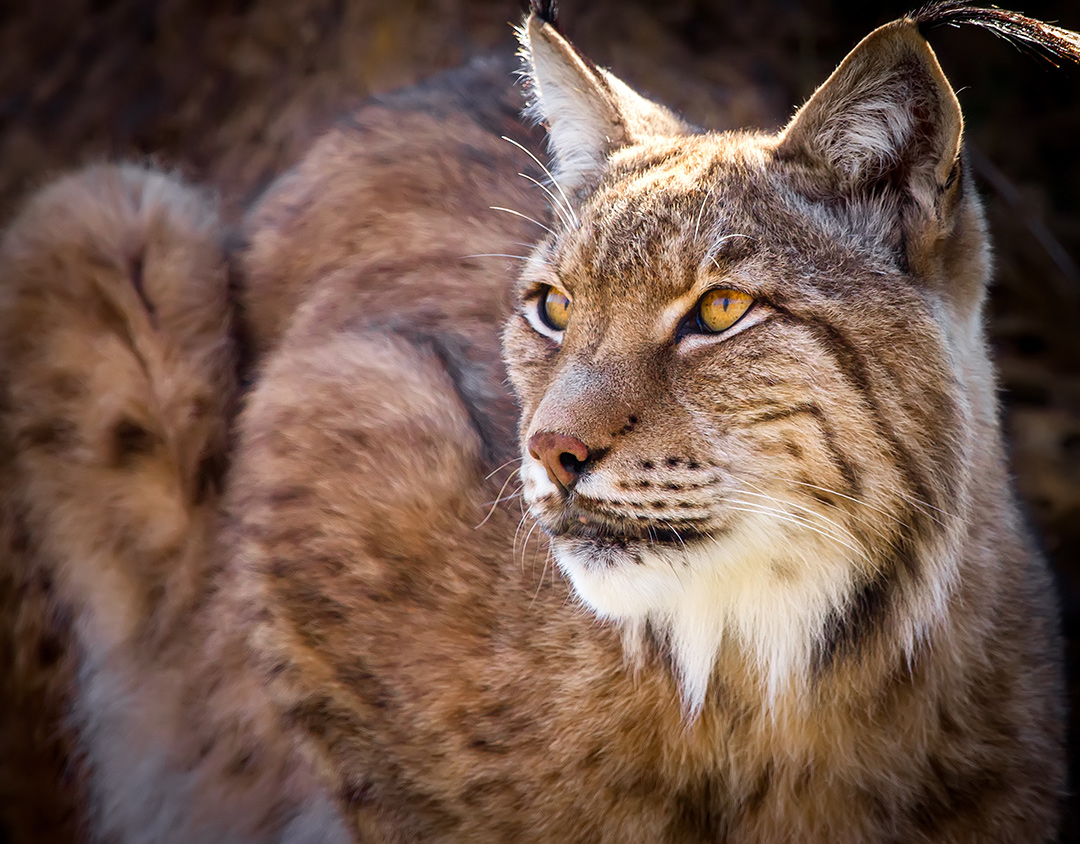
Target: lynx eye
<point>720,309</point>
<point>555,309</point>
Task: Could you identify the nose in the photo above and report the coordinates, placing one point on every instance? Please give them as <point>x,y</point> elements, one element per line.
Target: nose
<point>563,456</point>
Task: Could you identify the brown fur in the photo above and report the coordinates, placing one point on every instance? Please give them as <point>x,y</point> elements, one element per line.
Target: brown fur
<point>118,382</point>
<point>375,614</point>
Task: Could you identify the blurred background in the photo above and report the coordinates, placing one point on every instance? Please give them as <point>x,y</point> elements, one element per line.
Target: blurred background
<point>229,93</point>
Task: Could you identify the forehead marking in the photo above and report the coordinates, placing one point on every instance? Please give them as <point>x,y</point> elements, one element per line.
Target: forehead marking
<point>710,275</point>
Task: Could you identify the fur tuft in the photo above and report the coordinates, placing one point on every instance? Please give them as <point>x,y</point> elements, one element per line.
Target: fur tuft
<point>1056,42</point>
<point>546,10</point>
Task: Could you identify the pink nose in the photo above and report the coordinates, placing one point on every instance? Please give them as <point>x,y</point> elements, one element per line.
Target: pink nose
<point>564,457</point>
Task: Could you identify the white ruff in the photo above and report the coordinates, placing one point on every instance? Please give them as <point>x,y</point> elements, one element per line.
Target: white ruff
<point>727,589</point>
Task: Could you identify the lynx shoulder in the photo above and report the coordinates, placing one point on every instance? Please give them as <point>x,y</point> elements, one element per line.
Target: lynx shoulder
<point>720,546</point>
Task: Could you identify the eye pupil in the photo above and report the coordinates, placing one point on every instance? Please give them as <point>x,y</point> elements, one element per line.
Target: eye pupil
<point>555,309</point>
<point>719,310</point>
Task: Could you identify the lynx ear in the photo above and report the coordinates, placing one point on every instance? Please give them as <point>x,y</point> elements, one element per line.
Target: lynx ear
<point>589,113</point>
<point>886,117</point>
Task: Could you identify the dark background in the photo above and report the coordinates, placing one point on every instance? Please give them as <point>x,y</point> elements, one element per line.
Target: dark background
<point>229,92</point>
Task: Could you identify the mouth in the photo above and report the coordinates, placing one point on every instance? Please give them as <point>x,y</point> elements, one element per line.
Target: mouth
<point>584,520</point>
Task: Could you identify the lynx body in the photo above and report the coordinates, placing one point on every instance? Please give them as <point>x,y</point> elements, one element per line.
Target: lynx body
<point>765,579</point>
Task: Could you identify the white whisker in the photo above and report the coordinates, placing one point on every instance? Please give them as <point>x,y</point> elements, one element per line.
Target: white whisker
<point>523,216</point>
<point>919,503</point>
<point>678,535</point>
<point>509,497</point>
<point>701,210</point>
<point>543,572</point>
<point>547,172</point>
<point>499,498</point>
<point>711,254</point>
<point>801,521</point>
<point>525,544</point>
<point>866,504</point>
<point>555,203</point>
<point>817,514</point>
<point>496,255</point>
<point>787,518</point>
<point>517,533</point>
<point>503,466</point>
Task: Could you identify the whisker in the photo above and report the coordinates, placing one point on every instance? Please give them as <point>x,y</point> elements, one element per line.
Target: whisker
<point>543,572</point>
<point>547,172</point>
<point>861,518</point>
<point>555,203</point>
<point>519,491</point>
<point>920,503</point>
<point>517,494</point>
<point>517,533</point>
<point>503,466</point>
<point>498,500</point>
<point>701,210</point>
<point>525,544</point>
<point>711,254</point>
<point>523,216</point>
<point>497,255</point>
<point>909,499</point>
<point>795,519</point>
<point>792,519</point>
<point>843,528</point>
<point>678,535</point>
<point>851,498</point>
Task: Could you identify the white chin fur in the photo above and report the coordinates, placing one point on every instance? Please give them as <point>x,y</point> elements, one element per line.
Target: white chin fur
<point>724,591</point>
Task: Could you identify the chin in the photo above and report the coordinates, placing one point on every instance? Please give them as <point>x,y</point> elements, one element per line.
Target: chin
<point>621,582</point>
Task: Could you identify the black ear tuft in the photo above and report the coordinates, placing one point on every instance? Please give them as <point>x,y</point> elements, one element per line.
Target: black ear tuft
<point>546,10</point>
<point>1055,42</point>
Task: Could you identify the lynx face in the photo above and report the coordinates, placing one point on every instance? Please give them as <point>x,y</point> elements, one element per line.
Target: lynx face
<point>749,365</point>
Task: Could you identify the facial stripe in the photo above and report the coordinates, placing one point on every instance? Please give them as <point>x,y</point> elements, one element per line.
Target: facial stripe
<point>856,372</point>
<point>839,460</point>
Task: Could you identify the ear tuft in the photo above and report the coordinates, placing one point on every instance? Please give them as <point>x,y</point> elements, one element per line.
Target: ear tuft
<point>545,10</point>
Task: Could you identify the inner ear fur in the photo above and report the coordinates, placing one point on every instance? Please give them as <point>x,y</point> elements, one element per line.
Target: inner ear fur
<point>588,111</point>
<point>886,118</point>
<point>883,136</point>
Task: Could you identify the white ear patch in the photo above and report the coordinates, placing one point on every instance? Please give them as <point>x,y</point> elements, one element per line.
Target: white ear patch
<point>887,104</point>
<point>589,112</point>
<point>870,133</point>
<point>566,95</point>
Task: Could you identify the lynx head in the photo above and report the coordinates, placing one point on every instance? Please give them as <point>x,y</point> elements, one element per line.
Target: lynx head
<point>751,367</point>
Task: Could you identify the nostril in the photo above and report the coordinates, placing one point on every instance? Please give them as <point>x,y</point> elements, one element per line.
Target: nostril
<point>570,463</point>
<point>563,456</point>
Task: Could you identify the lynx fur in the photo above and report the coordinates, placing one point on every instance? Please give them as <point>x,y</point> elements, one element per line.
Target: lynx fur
<point>640,571</point>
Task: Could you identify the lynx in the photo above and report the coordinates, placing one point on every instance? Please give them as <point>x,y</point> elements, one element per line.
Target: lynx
<point>721,546</point>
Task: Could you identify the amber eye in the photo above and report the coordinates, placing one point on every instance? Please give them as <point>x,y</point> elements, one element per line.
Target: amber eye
<point>555,309</point>
<point>720,309</point>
